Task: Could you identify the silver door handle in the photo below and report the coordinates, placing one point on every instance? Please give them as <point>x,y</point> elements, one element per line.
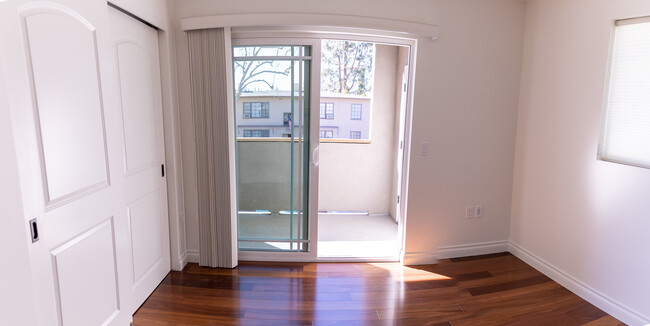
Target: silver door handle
<point>314,156</point>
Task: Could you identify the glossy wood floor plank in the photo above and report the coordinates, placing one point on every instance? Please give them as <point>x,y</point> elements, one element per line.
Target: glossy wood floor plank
<point>496,289</point>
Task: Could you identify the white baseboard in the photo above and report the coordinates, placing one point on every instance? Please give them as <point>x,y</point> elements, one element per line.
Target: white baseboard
<point>472,249</point>
<point>607,304</point>
<point>192,256</point>
<point>181,262</point>
<point>420,258</point>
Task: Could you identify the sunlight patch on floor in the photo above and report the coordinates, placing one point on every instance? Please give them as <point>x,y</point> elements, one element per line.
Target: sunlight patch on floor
<point>407,274</point>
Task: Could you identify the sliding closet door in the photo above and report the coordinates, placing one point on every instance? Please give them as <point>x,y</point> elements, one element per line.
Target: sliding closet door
<point>276,153</point>
<point>66,126</point>
<point>145,188</point>
<point>87,133</point>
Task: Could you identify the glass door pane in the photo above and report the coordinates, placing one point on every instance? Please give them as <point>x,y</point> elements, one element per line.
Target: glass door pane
<point>272,117</point>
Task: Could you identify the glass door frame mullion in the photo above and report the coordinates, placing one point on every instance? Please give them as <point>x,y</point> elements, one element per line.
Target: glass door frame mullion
<point>311,156</point>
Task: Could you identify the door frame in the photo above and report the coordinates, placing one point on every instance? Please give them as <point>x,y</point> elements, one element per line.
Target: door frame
<point>314,35</point>
<point>311,155</point>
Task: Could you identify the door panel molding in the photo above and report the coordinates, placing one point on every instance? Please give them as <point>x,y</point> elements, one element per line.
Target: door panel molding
<point>84,269</point>
<point>59,41</point>
<point>138,112</point>
<point>144,228</point>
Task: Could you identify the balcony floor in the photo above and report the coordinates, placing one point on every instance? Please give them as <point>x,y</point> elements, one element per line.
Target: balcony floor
<point>340,236</point>
<point>358,236</point>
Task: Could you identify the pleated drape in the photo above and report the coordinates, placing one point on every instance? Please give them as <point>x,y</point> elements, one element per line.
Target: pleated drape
<point>210,108</point>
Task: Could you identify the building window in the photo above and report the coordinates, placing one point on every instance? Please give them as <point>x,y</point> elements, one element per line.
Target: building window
<point>327,134</point>
<point>286,119</point>
<point>256,110</point>
<point>625,133</point>
<point>327,111</point>
<point>257,133</point>
<point>355,134</point>
<point>355,112</point>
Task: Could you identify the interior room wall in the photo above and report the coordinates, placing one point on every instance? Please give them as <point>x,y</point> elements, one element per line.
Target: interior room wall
<point>466,95</point>
<point>586,218</point>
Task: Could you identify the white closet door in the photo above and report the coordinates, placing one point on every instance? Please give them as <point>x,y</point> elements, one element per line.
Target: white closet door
<point>65,126</point>
<point>136,48</point>
<point>84,175</point>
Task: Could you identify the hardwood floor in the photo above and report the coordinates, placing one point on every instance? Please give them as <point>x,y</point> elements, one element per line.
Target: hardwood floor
<point>497,289</point>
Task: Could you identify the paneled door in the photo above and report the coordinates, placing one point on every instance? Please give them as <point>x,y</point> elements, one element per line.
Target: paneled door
<point>86,152</point>
<point>145,193</point>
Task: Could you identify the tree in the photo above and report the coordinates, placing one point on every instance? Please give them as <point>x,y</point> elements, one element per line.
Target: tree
<point>347,66</point>
<point>250,72</point>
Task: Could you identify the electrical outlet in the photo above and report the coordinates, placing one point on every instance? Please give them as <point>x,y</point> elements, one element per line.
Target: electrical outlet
<point>469,212</point>
<point>478,211</point>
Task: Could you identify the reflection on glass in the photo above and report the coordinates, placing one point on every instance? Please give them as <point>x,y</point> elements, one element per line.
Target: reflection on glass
<point>272,121</point>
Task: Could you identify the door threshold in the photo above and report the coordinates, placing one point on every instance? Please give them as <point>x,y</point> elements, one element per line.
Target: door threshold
<point>304,257</point>
<point>357,260</point>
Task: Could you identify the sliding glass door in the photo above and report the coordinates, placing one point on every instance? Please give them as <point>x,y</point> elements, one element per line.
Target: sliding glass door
<point>276,157</point>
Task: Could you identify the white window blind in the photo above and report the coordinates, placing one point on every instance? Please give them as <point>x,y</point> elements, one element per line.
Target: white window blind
<point>626,128</point>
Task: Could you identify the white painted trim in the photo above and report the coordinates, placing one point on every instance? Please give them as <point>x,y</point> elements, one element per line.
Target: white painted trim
<point>358,260</point>
<point>593,296</point>
<point>472,249</point>
<point>420,258</point>
<point>311,19</point>
<point>232,149</point>
<point>172,139</point>
<point>180,262</point>
<point>256,256</point>
<point>276,256</point>
<point>192,256</point>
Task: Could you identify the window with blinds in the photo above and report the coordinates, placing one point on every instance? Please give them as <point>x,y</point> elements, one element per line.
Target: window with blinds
<point>625,135</point>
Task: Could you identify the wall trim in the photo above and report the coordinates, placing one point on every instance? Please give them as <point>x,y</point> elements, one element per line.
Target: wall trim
<point>420,258</point>
<point>598,299</point>
<point>181,262</point>
<point>192,256</point>
<point>311,19</point>
<point>472,249</point>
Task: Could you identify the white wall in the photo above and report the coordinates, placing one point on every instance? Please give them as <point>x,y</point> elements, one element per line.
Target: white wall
<point>466,94</point>
<point>466,97</point>
<point>585,217</point>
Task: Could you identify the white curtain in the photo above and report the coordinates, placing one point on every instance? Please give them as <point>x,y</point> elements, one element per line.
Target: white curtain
<point>207,49</point>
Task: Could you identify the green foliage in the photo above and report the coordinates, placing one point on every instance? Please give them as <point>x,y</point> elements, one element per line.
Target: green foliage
<point>347,66</point>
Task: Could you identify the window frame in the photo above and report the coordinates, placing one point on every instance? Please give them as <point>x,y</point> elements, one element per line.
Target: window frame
<point>323,134</point>
<point>263,108</point>
<point>324,108</point>
<point>252,133</point>
<point>355,132</point>
<point>609,109</point>
<point>353,115</point>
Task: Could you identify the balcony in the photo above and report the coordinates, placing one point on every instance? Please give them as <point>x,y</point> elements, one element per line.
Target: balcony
<point>353,179</point>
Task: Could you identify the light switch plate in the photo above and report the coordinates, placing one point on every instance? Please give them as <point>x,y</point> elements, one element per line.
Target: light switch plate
<point>424,148</point>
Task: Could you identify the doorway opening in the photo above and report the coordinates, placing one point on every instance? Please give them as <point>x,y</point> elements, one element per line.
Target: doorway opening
<point>319,169</point>
<point>362,109</point>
